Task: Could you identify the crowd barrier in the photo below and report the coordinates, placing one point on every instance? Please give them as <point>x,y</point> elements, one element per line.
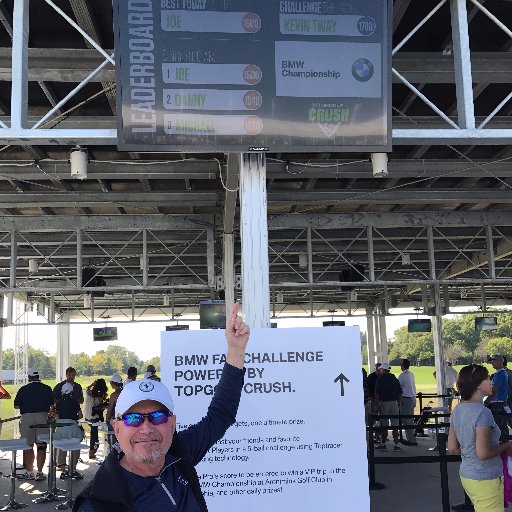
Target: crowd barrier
<point>442,456</point>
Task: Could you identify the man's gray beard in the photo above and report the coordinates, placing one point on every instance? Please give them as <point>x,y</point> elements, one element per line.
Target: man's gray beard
<point>149,458</point>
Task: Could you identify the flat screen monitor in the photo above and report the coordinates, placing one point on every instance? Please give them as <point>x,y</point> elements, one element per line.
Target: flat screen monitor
<point>486,323</point>
<point>181,327</point>
<point>212,314</point>
<point>419,325</point>
<point>334,323</point>
<point>104,333</point>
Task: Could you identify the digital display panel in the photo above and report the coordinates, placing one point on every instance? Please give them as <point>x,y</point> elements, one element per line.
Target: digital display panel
<point>104,333</point>
<point>212,314</point>
<point>238,76</point>
<point>486,323</point>
<point>419,325</point>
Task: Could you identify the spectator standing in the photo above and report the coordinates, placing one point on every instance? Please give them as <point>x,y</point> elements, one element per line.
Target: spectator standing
<point>94,405</point>
<point>408,400</point>
<point>475,435</point>
<point>152,370</point>
<point>77,393</point>
<point>34,401</point>
<point>496,401</point>
<point>116,383</point>
<point>509,401</point>
<point>372,381</point>
<point>388,392</point>
<point>366,398</point>
<point>68,409</point>
<point>131,375</point>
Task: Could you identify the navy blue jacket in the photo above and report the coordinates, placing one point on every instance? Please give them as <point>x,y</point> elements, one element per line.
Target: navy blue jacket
<point>115,489</point>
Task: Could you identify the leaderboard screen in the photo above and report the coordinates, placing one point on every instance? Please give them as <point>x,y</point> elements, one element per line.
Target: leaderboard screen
<point>240,75</point>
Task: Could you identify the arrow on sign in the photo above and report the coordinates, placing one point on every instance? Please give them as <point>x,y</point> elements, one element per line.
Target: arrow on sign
<point>341,378</point>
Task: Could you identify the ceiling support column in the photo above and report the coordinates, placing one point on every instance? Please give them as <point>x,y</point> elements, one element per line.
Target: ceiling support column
<point>370,340</point>
<point>254,235</point>
<point>62,360</point>
<point>229,271</point>
<point>437,334</point>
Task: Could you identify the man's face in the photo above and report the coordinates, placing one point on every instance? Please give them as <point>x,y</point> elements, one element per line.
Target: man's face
<point>148,443</point>
<point>70,376</point>
<point>497,364</point>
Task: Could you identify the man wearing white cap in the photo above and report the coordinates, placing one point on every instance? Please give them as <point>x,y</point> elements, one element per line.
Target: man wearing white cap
<point>154,469</point>
<point>34,401</point>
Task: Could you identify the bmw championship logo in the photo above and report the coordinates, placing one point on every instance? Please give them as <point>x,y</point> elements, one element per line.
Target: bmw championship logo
<point>146,386</point>
<point>362,70</point>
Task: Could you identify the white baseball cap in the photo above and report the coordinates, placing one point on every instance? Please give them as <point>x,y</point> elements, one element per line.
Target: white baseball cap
<point>32,372</point>
<point>140,390</point>
<point>116,378</point>
<point>385,366</point>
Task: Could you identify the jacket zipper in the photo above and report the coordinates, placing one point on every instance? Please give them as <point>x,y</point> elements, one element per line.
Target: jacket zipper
<point>166,490</point>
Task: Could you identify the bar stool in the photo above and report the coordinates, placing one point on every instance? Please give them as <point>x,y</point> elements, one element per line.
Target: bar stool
<point>107,436</point>
<point>69,445</point>
<point>13,445</point>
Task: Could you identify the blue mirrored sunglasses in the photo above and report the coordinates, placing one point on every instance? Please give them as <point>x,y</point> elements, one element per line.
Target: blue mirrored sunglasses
<point>135,419</point>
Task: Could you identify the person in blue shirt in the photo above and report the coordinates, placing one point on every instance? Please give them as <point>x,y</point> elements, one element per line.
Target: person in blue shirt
<point>497,399</point>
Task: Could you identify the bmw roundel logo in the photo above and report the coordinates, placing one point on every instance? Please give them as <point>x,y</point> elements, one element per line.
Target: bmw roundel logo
<point>146,386</point>
<point>362,70</point>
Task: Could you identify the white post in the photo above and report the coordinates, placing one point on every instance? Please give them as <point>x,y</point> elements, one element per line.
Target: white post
<point>62,360</point>
<point>383,336</point>
<point>437,334</point>
<point>229,271</point>
<point>370,340</point>
<point>254,235</point>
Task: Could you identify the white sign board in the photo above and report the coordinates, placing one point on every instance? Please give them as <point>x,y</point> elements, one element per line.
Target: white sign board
<point>299,441</point>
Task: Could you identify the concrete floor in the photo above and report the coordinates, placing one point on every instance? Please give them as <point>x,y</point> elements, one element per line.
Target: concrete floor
<point>414,486</point>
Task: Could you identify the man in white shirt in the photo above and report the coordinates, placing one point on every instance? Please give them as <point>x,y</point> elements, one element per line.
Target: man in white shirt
<point>408,402</point>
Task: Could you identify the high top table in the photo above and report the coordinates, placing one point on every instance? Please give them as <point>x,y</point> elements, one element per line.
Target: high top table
<point>52,494</point>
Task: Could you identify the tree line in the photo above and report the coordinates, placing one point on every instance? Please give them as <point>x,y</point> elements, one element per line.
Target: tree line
<point>115,359</point>
<point>463,343</point>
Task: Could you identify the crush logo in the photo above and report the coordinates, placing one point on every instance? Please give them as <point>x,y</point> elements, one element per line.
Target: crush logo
<point>362,70</point>
<point>329,118</point>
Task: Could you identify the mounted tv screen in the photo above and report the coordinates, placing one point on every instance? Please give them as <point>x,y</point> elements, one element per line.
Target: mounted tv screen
<point>486,323</point>
<point>182,327</point>
<point>104,333</point>
<point>334,323</point>
<point>212,314</point>
<point>419,325</point>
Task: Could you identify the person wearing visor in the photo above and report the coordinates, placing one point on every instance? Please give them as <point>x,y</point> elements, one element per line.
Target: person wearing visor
<point>154,467</point>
